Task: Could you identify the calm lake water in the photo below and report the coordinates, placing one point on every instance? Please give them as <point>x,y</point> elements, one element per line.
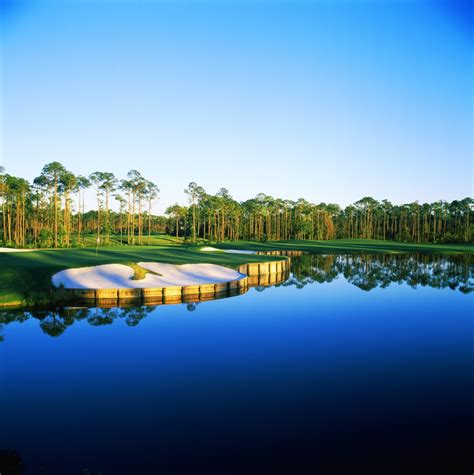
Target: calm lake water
<point>352,360</point>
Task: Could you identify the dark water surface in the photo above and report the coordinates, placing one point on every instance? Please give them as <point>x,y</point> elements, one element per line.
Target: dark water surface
<point>353,360</point>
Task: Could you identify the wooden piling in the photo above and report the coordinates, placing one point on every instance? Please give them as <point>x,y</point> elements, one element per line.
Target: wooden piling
<point>106,293</point>
<point>221,287</point>
<point>132,293</point>
<point>172,291</point>
<point>153,292</point>
<point>191,290</point>
<point>84,293</point>
<point>206,289</point>
<point>253,269</point>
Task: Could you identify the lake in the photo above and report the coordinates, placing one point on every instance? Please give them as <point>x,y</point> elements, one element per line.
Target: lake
<point>353,360</point>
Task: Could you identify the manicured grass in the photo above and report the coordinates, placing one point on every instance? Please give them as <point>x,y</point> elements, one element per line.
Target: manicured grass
<point>90,240</point>
<point>139,273</point>
<point>344,246</point>
<point>25,278</point>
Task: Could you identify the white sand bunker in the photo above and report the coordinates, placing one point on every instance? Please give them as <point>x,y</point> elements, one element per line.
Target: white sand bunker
<point>229,251</point>
<point>12,249</point>
<point>119,276</point>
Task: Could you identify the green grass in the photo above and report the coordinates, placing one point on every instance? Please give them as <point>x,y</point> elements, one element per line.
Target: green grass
<point>139,273</point>
<point>344,246</point>
<point>90,240</point>
<point>25,278</point>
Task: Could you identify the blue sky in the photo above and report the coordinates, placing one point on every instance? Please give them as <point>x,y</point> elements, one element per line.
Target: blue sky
<point>330,101</point>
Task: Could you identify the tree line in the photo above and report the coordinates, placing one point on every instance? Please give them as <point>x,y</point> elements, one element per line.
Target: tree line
<point>50,212</point>
<point>219,218</point>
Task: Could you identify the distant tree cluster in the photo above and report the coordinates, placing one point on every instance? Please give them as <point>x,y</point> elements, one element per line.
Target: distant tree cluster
<point>50,213</point>
<point>264,218</point>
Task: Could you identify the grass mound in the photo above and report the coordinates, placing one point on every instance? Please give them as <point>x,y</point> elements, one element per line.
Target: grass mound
<point>139,273</point>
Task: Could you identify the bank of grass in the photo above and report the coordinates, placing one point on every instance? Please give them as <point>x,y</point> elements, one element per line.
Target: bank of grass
<point>348,246</point>
<point>25,278</point>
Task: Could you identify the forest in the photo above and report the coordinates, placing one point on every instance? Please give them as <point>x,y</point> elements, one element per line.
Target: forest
<point>50,213</point>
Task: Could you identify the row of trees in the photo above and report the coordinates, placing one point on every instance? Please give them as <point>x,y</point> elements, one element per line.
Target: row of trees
<point>50,212</point>
<point>219,217</point>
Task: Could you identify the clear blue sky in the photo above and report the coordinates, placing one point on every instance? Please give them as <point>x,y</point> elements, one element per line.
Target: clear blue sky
<point>330,101</point>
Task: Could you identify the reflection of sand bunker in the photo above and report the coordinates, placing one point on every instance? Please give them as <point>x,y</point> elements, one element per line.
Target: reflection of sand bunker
<point>229,251</point>
<point>112,276</point>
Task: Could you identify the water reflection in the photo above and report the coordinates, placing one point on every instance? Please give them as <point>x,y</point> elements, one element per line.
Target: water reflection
<point>366,272</point>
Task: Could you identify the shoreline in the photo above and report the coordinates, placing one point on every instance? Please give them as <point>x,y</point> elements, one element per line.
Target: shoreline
<point>25,277</point>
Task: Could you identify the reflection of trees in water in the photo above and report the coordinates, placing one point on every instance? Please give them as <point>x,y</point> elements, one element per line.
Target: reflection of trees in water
<point>364,271</point>
<point>310,269</point>
<point>99,316</point>
<point>134,315</point>
<point>371,271</point>
<point>54,322</point>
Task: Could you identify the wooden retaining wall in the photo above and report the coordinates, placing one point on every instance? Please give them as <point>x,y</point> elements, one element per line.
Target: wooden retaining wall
<point>280,253</point>
<point>162,294</point>
<point>266,280</point>
<point>259,268</point>
<point>256,274</point>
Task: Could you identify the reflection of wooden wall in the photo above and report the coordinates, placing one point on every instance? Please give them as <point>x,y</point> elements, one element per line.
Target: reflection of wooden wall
<point>265,280</point>
<point>257,274</point>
